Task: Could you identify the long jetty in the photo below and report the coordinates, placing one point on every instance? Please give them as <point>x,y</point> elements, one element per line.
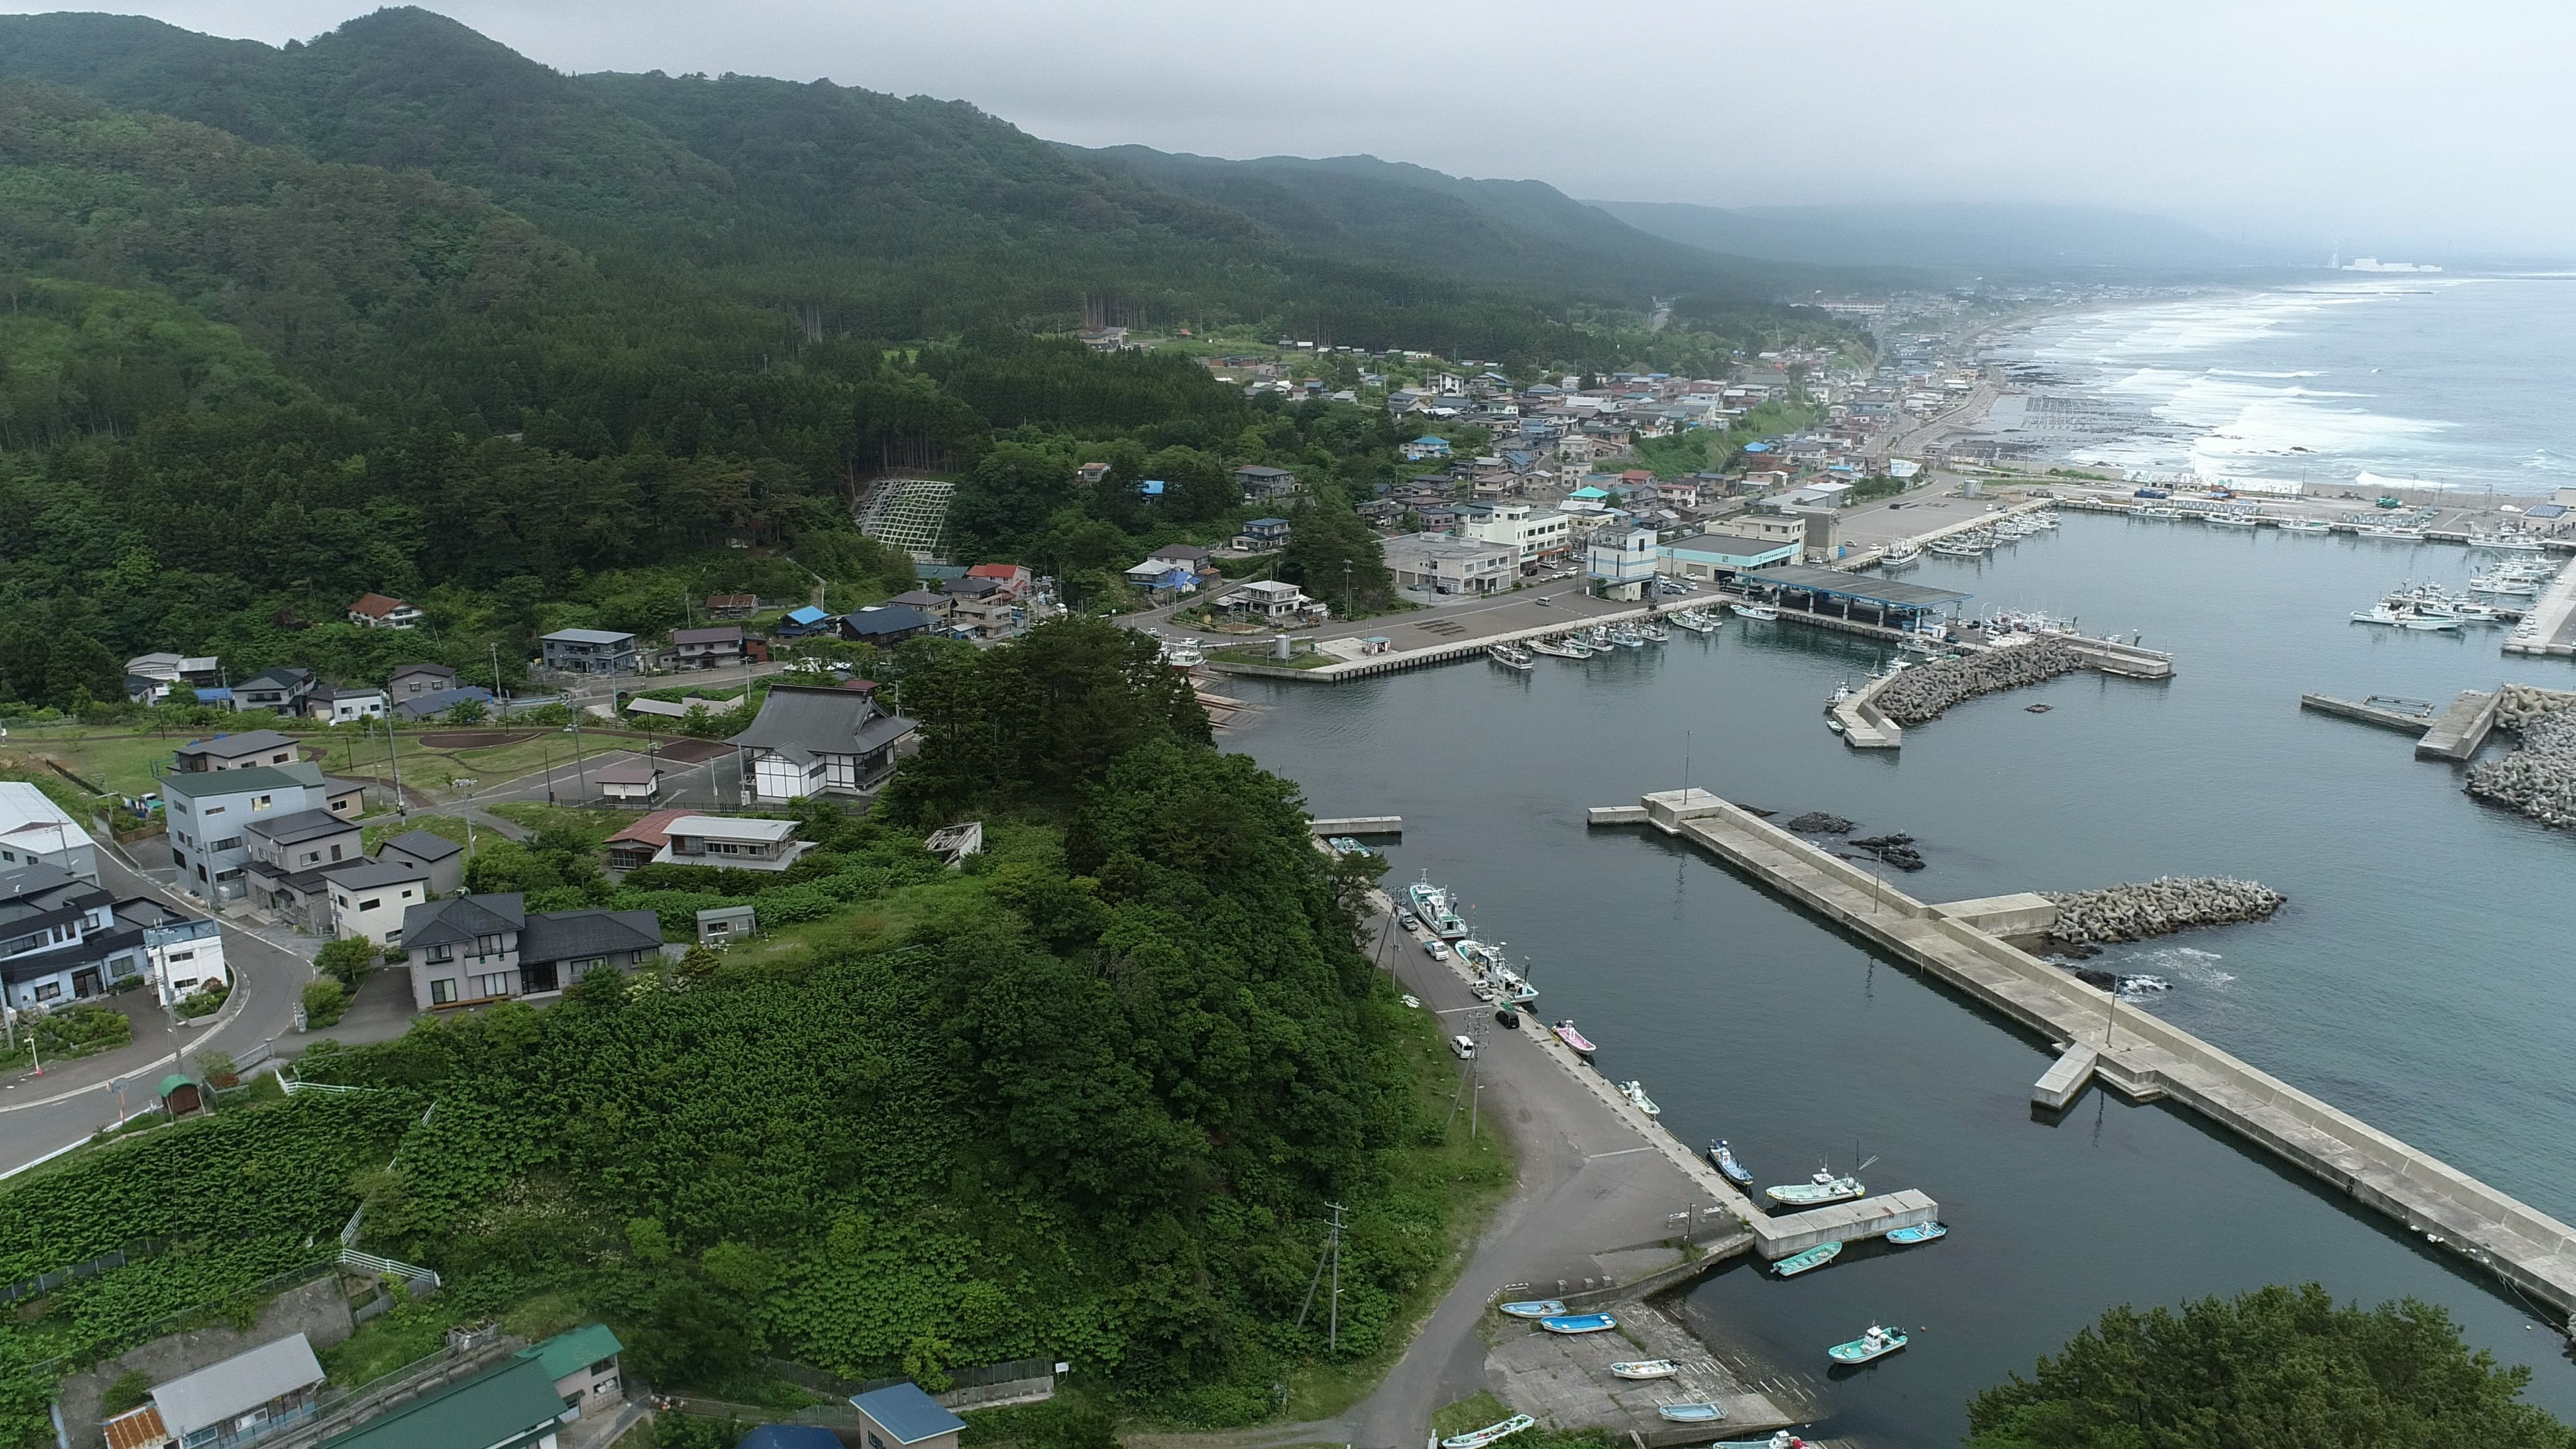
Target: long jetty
<point>2136,1054</point>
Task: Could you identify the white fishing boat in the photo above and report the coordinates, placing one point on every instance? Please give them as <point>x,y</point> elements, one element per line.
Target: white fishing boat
<point>1825,1187</point>
<point>1646,1368</point>
<point>1431,903</point>
<point>1903,555</point>
<point>2404,618</point>
<point>1842,691</point>
<point>1955,548</point>
<point>2159,510</point>
<point>1654,633</point>
<point>2509,540</point>
<point>2234,520</point>
<point>2043,521</point>
<point>2391,533</point>
<point>1756,611</point>
<point>1511,658</point>
<point>2303,525</point>
<point>2506,585</point>
<point>1559,649</point>
<point>1479,1438</point>
<point>1635,1092</point>
<point>1183,653</point>
<point>1697,621</point>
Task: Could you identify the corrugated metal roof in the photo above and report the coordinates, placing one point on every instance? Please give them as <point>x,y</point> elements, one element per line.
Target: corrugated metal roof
<point>575,1349</point>
<point>500,1408</point>
<point>907,1413</point>
<point>237,1385</point>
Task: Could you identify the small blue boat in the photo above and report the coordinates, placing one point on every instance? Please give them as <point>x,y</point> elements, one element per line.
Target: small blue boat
<point>1580,1323</point>
<point>1699,1413</point>
<point>1919,1233</point>
<point>1877,1343</point>
<point>1815,1257</point>
<point>1724,1156</point>
<point>1535,1308</point>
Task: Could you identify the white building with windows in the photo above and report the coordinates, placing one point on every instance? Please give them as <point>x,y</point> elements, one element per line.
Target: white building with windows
<point>33,829</point>
<point>1621,562</point>
<point>737,842</point>
<point>1540,536</point>
<point>818,740</point>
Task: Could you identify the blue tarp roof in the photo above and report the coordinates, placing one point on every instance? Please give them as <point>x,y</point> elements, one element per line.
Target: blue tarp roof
<point>1151,487</point>
<point>807,615</point>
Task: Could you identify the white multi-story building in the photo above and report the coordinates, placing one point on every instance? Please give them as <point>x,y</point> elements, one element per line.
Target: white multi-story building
<point>1538,536</point>
<point>1621,563</point>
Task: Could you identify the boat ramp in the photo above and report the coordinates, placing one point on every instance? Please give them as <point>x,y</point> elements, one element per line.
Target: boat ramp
<point>2134,1053</point>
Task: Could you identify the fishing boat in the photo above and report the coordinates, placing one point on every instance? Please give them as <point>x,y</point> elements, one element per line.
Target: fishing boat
<point>1566,1033</point>
<point>1431,903</point>
<point>2404,618</point>
<point>1535,1308</point>
<point>1579,1323</point>
<point>1756,611</point>
<point>2506,540</point>
<point>1902,555</point>
<point>1780,1439</point>
<point>1509,657</point>
<point>1823,1188</point>
<point>1954,548</point>
<point>1834,723</point>
<point>1555,650</point>
<point>1697,1412</point>
<point>2159,510</point>
<point>1815,1257</point>
<point>2505,585</point>
<point>2234,520</point>
<point>1627,638</point>
<point>1697,621</point>
<point>1724,1156</point>
<point>1646,1368</point>
<point>1654,633</point>
<point>1498,977</point>
<point>1919,1233</point>
<point>2304,525</point>
<point>1877,1343</point>
<point>1635,1092</point>
<point>2393,533</point>
<point>2043,521</point>
<point>1479,1438</point>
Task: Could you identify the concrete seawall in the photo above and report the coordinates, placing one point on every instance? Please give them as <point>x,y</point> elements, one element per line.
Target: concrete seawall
<point>2137,1054</point>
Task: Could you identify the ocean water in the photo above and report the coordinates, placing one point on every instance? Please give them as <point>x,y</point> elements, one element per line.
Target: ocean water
<point>2452,382</point>
<point>2419,977</point>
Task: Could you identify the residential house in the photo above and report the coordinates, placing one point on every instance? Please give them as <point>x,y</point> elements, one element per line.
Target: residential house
<point>802,622</point>
<point>1262,535</point>
<point>1262,484</point>
<point>60,939</point>
<point>724,925</point>
<point>346,706</point>
<point>885,625</point>
<point>290,855</point>
<point>991,617</point>
<point>431,706</point>
<point>1776,527</point>
<point>1274,603</point>
<point>36,831</point>
<point>637,844</point>
<point>244,1399</point>
<point>471,949</point>
<point>810,740</point>
<point>282,690</point>
<point>1014,579</point>
<point>939,606</point>
<point>583,1363</point>
<point>731,841</point>
<point>732,606</point>
<point>512,1407</point>
<point>1441,564</point>
<point>411,681</point>
<point>629,783</point>
<point>903,1417</point>
<point>1429,445</point>
<point>1717,554</point>
<point>377,611</point>
<point>589,651</point>
<point>435,856</point>
<point>209,814</point>
<point>1164,579</point>
<point>369,899</point>
<point>1540,537</point>
<point>176,668</point>
<point>183,954</point>
<point>1091,474</point>
<point>713,647</point>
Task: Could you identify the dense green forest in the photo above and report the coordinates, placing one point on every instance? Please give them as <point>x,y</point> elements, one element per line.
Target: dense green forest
<point>1087,1105</point>
<point>400,310</point>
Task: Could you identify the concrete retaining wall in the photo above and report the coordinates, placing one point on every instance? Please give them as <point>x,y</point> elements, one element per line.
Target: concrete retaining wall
<point>2024,913</point>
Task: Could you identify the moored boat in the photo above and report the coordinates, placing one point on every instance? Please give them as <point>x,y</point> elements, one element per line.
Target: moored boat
<point>1816,1191</point>
<point>1635,1092</point>
<point>1724,1156</point>
<point>1510,657</point>
<point>1697,1412</point>
<point>1756,611</point>
<point>1535,1308</point>
<point>2234,520</point>
<point>1479,1438</point>
<point>1431,903</point>
<point>1698,621</point>
<point>1566,1033</point>
<point>1780,1439</point>
<point>1878,1342</point>
<point>1579,1323</point>
<point>1815,1257</point>
<point>2304,525</point>
<point>1919,1233</point>
<point>1646,1368</point>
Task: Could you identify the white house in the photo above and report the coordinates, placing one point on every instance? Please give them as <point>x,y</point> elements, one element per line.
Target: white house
<point>345,706</point>
<point>1535,535</point>
<point>1429,445</point>
<point>736,842</point>
<point>810,741</point>
<point>35,829</point>
<point>377,611</point>
<point>1277,602</point>
<point>636,780</point>
<point>368,899</point>
<point>1622,561</point>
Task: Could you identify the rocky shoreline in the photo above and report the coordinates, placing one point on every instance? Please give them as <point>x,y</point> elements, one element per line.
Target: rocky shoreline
<point>2538,778</point>
<point>1926,690</point>
<point>2136,911</point>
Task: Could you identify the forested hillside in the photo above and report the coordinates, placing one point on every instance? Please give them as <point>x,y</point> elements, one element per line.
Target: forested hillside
<point>400,310</point>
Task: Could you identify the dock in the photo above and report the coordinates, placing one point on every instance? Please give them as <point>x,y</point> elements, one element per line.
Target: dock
<point>2462,728</point>
<point>2134,1053</point>
<point>2404,722</point>
<point>1358,825</point>
<point>2550,621</point>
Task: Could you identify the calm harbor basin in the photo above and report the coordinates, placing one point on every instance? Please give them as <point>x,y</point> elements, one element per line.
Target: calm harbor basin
<point>2417,977</point>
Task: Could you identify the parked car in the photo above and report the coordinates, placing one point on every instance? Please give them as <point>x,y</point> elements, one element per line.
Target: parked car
<point>1508,1019</point>
<point>1461,1046</point>
<point>1407,919</point>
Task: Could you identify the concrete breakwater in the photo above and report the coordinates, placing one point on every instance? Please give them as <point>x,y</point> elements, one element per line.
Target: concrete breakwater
<point>1927,690</point>
<point>2138,910</point>
<point>2133,1052</point>
<point>2539,777</point>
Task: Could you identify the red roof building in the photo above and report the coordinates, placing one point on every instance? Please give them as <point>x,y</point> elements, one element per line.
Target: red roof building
<point>638,843</point>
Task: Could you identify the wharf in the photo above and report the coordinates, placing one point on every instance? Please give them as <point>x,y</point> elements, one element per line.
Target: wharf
<point>2551,621</point>
<point>2462,728</point>
<point>2137,1054</point>
<point>2368,713</point>
<point>1358,825</point>
<point>1443,652</point>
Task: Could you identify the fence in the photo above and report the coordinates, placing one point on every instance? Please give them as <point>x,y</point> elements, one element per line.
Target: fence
<point>44,1283</point>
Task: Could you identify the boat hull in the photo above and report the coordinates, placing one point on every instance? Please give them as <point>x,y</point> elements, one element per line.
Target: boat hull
<point>1808,1261</point>
<point>1919,1233</point>
<point>1579,1323</point>
<point>1535,1308</point>
<point>1815,1194</point>
<point>1479,1438</point>
<point>1691,1413</point>
<point>1862,1350</point>
<point>1661,1368</point>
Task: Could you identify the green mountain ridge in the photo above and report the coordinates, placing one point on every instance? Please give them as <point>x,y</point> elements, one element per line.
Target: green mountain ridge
<point>1946,236</point>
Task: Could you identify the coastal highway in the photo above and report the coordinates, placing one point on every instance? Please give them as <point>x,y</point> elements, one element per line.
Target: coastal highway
<point>40,1114</point>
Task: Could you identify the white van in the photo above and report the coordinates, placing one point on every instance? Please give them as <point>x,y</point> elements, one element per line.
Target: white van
<point>1464,1046</point>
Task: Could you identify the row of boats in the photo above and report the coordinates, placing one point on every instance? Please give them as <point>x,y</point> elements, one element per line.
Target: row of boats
<point>1600,639</point>
<point>1975,542</point>
<point>1700,1413</point>
<point>2431,607</point>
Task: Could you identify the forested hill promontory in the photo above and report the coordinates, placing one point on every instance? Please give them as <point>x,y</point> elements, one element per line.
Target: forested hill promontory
<point>400,310</point>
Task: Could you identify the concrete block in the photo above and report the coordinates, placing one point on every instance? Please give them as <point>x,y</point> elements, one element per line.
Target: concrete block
<point>2065,1078</point>
<point>1615,815</point>
<point>2023,913</point>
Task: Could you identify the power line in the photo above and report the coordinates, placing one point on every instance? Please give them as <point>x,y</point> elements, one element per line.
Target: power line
<point>1331,1255</point>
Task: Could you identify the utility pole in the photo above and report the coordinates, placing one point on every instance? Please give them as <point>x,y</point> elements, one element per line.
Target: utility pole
<point>1347,610</point>
<point>1331,1255</point>
<point>402,807</point>
<point>496,679</point>
<point>580,785</point>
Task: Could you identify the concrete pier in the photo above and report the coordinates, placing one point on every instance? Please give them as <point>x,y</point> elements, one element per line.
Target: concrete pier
<point>2369,714</point>
<point>2551,620</point>
<point>1359,825</point>
<point>2140,1055</point>
<point>1845,1222</point>
<point>2461,729</point>
<point>2066,1078</point>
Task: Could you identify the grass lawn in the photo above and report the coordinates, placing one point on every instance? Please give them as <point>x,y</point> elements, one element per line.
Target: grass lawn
<point>594,826</point>
<point>875,924</point>
<point>116,760</point>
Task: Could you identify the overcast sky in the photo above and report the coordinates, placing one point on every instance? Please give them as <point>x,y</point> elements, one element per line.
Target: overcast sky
<point>2403,129</point>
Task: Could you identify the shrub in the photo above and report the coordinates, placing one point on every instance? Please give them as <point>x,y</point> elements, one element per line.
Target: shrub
<point>325,1002</point>
<point>126,1391</point>
<point>348,960</point>
<point>206,1001</point>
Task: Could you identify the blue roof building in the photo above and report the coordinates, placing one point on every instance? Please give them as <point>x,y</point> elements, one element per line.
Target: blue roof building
<point>807,620</point>
<point>789,1436</point>
<point>902,1417</point>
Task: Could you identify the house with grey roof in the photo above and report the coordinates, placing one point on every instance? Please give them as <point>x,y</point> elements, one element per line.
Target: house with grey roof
<point>473,949</point>
<point>60,939</point>
<point>242,1400</point>
<point>436,856</point>
<point>282,689</point>
<point>33,829</point>
<point>589,651</point>
<point>237,751</point>
<point>370,898</point>
<point>812,740</point>
<point>209,814</point>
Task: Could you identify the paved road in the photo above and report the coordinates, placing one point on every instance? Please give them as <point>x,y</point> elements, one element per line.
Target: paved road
<point>270,965</point>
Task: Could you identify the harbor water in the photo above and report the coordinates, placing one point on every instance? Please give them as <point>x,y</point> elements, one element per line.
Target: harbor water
<point>2418,977</point>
